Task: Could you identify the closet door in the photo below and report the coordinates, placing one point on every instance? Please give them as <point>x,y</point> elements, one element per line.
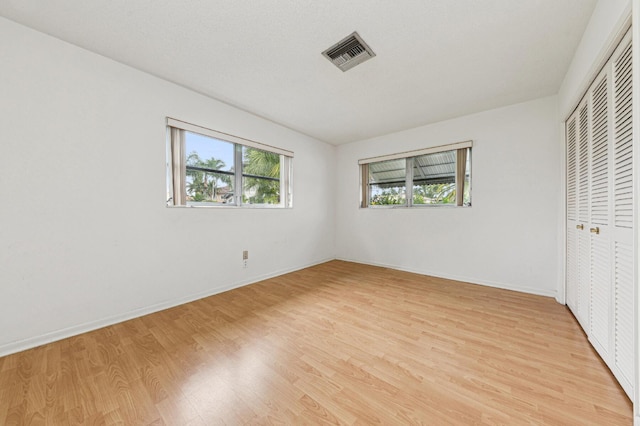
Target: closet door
<point>623,226</point>
<point>584,242</point>
<point>600,215</point>
<point>572,214</point>
<point>600,186</point>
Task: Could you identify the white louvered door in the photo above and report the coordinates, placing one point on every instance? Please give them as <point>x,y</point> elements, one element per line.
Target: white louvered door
<point>578,241</point>
<point>623,217</point>
<point>600,211</point>
<point>600,228</point>
<point>584,249</point>
<point>572,214</point>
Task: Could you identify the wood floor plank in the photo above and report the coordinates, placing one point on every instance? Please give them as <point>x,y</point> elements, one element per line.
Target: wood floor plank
<point>338,343</point>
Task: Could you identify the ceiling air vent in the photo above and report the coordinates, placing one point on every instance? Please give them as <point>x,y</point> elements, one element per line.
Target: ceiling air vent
<point>349,52</point>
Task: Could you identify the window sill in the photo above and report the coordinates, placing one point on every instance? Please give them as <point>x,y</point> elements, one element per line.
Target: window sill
<point>420,206</point>
<point>232,207</point>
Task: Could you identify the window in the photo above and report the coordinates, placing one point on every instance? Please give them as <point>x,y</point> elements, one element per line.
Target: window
<point>436,176</point>
<point>209,168</point>
<point>387,182</point>
<point>260,176</point>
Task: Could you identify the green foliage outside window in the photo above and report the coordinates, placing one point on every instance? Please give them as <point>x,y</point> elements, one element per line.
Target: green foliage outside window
<point>442,193</point>
<point>261,163</point>
<point>204,186</point>
<point>261,178</point>
<point>388,197</point>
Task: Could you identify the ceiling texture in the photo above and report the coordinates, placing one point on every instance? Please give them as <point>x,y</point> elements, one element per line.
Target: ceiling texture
<point>435,59</point>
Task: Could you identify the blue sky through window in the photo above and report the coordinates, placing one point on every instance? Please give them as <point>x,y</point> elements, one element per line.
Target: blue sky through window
<point>208,147</point>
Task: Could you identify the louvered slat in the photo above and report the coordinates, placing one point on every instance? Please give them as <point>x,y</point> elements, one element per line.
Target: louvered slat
<point>571,170</point>
<point>599,204</point>
<point>624,309</point>
<point>623,148</point>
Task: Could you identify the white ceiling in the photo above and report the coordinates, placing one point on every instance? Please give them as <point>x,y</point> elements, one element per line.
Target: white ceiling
<point>436,59</point>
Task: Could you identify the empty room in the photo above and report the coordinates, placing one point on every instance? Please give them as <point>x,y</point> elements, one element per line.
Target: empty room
<point>294,212</point>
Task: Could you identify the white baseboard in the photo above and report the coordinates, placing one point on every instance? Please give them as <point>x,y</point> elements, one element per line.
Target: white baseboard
<point>528,290</point>
<point>32,342</point>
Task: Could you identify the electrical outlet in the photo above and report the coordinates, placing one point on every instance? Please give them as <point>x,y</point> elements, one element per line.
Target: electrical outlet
<point>245,258</point>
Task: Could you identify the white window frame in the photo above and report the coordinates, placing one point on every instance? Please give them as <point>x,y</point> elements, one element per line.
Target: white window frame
<point>409,157</point>
<point>176,167</point>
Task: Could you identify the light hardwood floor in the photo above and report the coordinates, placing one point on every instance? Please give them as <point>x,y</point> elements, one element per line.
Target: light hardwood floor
<point>336,343</point>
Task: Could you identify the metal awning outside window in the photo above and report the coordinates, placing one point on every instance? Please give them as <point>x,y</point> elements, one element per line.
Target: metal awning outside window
<point>429,169</point>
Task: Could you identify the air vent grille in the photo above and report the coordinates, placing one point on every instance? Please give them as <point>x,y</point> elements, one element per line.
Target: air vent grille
<point>349,52</point>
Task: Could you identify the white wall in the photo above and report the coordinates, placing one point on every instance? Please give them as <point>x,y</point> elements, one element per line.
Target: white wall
<point>85,237</point>
<point>508,238</point>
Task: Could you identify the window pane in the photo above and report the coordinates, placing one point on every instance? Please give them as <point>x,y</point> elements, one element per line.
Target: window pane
<point>260,191</point>
<point>260,176</point>
<point>387,182</point>
<point>209,169</point>
<point>467,180</point>
<point>434,178</point>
